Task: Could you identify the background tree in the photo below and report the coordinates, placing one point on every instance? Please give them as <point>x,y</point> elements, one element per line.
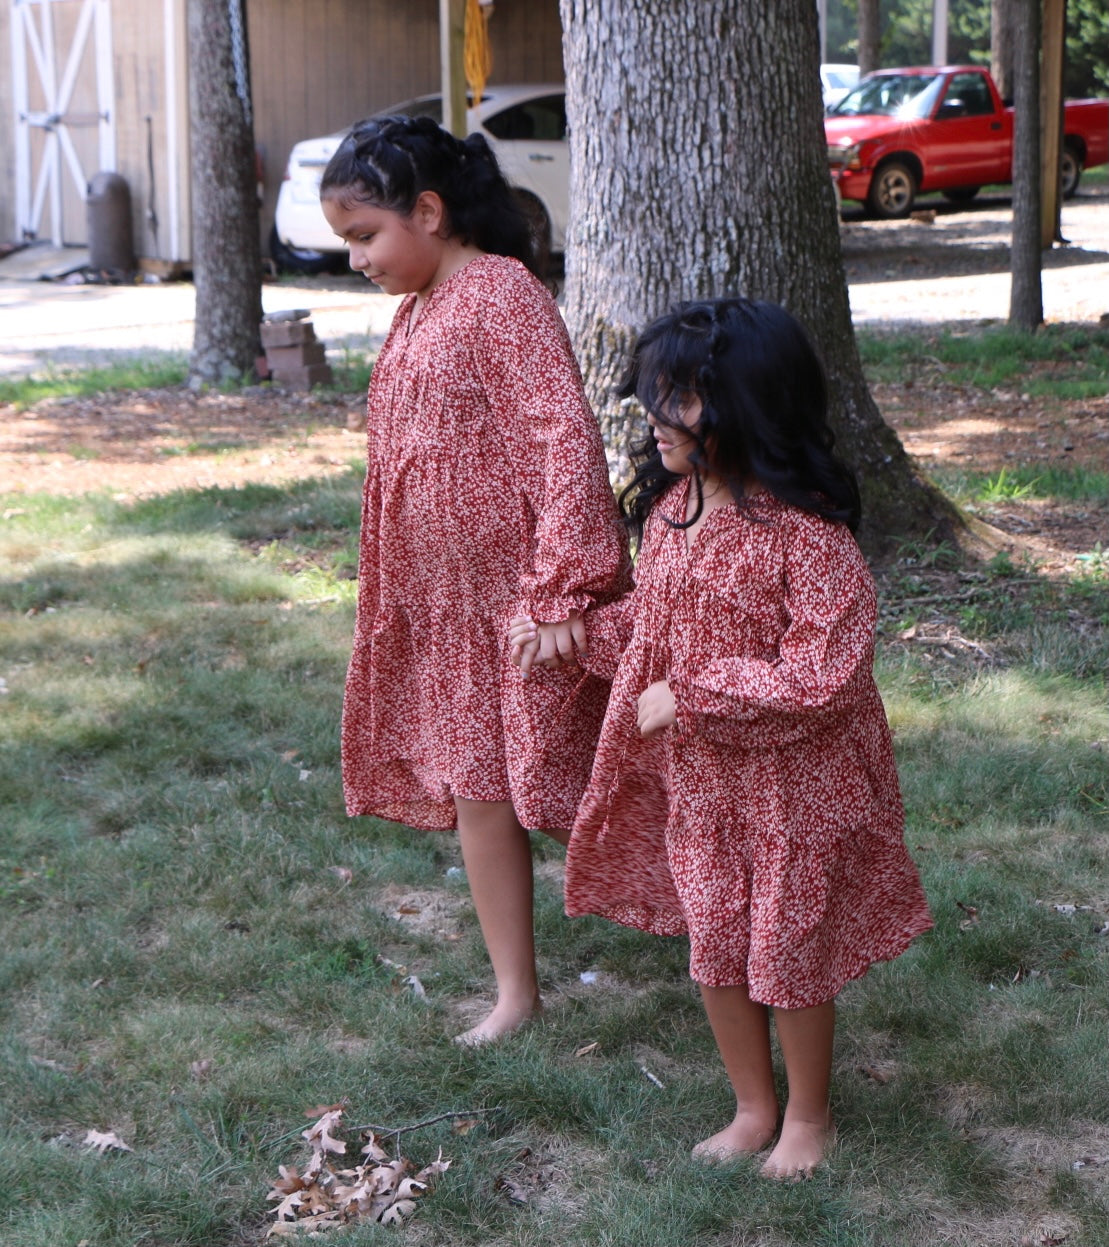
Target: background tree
<point>1001,46</point>
<point>686,182</point>
<point>227,264</point>
<point>1087,67</point>
<point>905,38</point>
<point>1026,293</point>
<point>869,27</point>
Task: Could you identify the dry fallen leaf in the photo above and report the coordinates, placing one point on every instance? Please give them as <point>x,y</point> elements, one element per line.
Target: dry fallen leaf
<point>396,1213</point>
<point>102,1141</point>
<point>875,1073</point>
<point>588,1049</point>
<point>971,919</point>
<point>320,1135</point>
<point>415,986</point>
<point>201,1069</point>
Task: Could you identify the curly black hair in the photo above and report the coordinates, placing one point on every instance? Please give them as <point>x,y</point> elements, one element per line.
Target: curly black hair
<point>764,412</point>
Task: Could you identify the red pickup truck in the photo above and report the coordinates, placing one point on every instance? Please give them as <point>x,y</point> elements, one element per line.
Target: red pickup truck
<point>903,131</point>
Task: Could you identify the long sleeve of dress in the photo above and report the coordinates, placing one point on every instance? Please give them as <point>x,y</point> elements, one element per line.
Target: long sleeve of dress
<point>827,648</point>
<point>552,439</point>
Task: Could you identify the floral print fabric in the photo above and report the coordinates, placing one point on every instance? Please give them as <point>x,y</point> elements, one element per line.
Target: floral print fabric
<point>768,823</point>
<point>486,496</point>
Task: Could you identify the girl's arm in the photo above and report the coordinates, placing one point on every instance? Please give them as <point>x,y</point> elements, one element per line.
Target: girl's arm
<point>552,439</point>
<point>824,662</point>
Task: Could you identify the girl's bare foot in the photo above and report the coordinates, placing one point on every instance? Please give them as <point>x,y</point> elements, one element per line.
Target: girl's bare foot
<point>802,1146</point>
<point>747,1134</point>
<point>503,1020</point>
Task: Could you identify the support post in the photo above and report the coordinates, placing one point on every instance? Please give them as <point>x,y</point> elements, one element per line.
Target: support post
<point>939,32</point>
<point>1051,119</point>
<point>452,35</point>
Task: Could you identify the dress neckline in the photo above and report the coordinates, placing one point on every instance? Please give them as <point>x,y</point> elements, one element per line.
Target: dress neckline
<point>411,319</point>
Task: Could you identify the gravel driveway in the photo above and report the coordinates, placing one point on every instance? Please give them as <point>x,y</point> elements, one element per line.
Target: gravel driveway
<point>952,265</point>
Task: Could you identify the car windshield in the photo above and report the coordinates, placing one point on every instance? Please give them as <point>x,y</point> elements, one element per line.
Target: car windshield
<point>908,96</point>
<point>840,79</point>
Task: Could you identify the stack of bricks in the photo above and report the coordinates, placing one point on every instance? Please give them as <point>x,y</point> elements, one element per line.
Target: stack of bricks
<point>294,356</point>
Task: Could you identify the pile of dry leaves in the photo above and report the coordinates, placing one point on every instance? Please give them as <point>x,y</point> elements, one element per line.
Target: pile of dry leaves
<point>330,1193</point>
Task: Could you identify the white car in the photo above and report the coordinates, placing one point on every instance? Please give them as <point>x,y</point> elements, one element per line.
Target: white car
<point>836,81</point>
<point>525,127</point>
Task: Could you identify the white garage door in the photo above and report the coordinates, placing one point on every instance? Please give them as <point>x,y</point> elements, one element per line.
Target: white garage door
<point>65,127</point>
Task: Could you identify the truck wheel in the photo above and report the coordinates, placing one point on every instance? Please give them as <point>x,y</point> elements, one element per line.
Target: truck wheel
<point>960,194</point>
<point>1070,170</point>
<point>892,191</point>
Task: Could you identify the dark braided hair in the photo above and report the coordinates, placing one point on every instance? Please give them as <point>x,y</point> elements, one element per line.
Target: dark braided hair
<point>390,161</point>
<point>764,408</point>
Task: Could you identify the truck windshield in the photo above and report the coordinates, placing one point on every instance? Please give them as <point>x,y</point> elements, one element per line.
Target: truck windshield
<point>909,96</point>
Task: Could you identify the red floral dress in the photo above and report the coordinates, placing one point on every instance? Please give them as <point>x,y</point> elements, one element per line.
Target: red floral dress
<point>487,495</point>
<point>768,823</point>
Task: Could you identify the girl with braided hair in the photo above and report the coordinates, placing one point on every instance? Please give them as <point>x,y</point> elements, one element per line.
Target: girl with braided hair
<point>744,790</point>
<point>486,494</point>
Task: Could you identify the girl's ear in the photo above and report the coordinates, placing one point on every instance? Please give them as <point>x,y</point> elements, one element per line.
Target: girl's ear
<point>429,212</point>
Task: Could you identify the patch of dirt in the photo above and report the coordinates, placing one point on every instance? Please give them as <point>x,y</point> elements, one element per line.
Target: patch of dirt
<point>950,427</point>
<point>156,441</point>
<point>148,442</point>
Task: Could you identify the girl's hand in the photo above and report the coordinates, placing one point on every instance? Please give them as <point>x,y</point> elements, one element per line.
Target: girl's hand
<point>549,644</point>
<point>657,709</point>
<point>523,637</point>
<point>562,642</point>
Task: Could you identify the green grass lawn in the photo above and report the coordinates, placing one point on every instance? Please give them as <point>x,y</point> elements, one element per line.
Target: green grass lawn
<point>197,947</point>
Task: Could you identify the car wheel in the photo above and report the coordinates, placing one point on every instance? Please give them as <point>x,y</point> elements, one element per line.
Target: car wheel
<point>1070,171</point>
<point>295,260</point>
<point>539,223</point>
<point>960,194</point>
<point>892,191</point>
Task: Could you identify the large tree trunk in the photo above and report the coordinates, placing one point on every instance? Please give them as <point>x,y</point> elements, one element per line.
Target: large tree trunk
<point>868,36</point>
<point>227,264</point>
<point>1026,309</point>
<point>698,168</point>
<point>1001,46</point>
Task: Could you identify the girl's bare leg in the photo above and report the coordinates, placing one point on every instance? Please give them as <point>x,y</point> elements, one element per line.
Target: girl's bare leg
<point>741,1028</point>
<point>806,1037</point>
<point>496,852</point>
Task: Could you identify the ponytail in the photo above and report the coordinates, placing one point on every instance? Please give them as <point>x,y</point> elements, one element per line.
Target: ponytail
<point>390,161</point>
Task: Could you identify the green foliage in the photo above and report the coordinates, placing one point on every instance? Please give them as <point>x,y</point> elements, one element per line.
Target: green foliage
<point>906,38</point>
<point>146,372</point>
<point>1063,361</point>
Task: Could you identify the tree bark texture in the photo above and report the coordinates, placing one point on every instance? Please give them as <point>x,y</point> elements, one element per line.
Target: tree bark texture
<point>699,168</point>
<point>1026,309</point>
<point>868,27</point>
<point>1001,46</point>
<point>227,265</point>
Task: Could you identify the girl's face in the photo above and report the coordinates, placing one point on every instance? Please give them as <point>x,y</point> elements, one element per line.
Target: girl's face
<point>674,445</point>
<point>401,254</point>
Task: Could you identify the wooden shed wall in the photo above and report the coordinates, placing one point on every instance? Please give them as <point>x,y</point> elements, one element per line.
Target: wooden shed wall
<point>319,65</point>
<point>316,67</point>
<point>152,123</point>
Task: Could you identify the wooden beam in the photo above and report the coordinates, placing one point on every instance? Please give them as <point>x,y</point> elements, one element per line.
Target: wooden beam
<point>1051,118</point>
<point>452,35</point>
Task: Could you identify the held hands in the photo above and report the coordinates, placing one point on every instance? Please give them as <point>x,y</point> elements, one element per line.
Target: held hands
<point>548,644</point>
<point>657,709</point>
